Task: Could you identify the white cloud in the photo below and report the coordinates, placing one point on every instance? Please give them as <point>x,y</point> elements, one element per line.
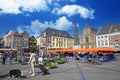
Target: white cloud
<point>55,10</point>
<point>63,24</point>
<point>38,27</point>
<point>9,6</point>
<point>71,10</point>
<point>18,6</point>
<point>33,5</point>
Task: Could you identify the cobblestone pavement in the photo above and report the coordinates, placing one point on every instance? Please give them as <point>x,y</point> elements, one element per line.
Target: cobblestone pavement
<point>73,70</point>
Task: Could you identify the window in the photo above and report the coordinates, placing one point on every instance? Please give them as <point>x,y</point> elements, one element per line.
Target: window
<point>105,36</point>
<point>102,42</point>
<point>116,43</point>
<point>116,37</point>
<point>87,39</point>
<point>15,44</point>
<point>56,39</point>
<point>15,38</point>
<point>106,42</point>
<point>112,43</point>
<point>18,39</point>
<point>56,44</point>
<point>24,43</point>
<point>98,43</point>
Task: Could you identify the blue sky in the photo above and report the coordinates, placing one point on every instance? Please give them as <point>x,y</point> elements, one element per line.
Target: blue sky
<point>35,16</point>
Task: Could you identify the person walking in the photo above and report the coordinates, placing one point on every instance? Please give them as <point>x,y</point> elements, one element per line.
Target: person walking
<point>1,57</point>
<point>4,58</point>
<point>10,57</point>
<point>41,65</point>
<point>31,62</point>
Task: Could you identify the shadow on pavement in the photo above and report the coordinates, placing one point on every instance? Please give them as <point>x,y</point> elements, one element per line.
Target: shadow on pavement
<point>3,76</point>
<point>6,76</point>
<point>24,77</point>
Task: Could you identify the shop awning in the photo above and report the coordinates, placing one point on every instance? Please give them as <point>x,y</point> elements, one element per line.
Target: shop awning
<point>106,49</point>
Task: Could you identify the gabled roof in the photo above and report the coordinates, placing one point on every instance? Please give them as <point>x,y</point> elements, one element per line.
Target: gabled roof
<point>55,32</point>
<point>9,31</point>
<point>115,28</point>
<point>17,34</point>
<point>32,38</point>
<point>104,30</point>
<point>109,29</point>
<point>24,33</point>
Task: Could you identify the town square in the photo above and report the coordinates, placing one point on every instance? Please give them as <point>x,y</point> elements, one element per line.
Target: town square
<point>59,40</point>
<point>73,70</point>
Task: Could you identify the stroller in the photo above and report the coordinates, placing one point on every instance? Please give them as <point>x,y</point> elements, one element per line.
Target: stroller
<point>43,70</point>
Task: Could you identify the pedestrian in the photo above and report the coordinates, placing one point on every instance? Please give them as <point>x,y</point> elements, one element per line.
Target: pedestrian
<point>31,62</point>
<point>40,60</point>
<point>10,56</point>
<point>41,65</point>
<point>4,58</point>
<point>0,57</point>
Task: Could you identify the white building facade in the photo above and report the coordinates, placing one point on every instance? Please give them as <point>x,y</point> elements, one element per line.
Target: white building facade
<point>102,40</point>
<point>5,37</point>
<point>108,36</point>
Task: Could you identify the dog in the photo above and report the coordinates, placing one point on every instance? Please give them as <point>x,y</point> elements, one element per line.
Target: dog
<point>14,73</point>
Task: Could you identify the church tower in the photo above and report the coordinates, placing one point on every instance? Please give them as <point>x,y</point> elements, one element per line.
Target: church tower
<point>75,36</point>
